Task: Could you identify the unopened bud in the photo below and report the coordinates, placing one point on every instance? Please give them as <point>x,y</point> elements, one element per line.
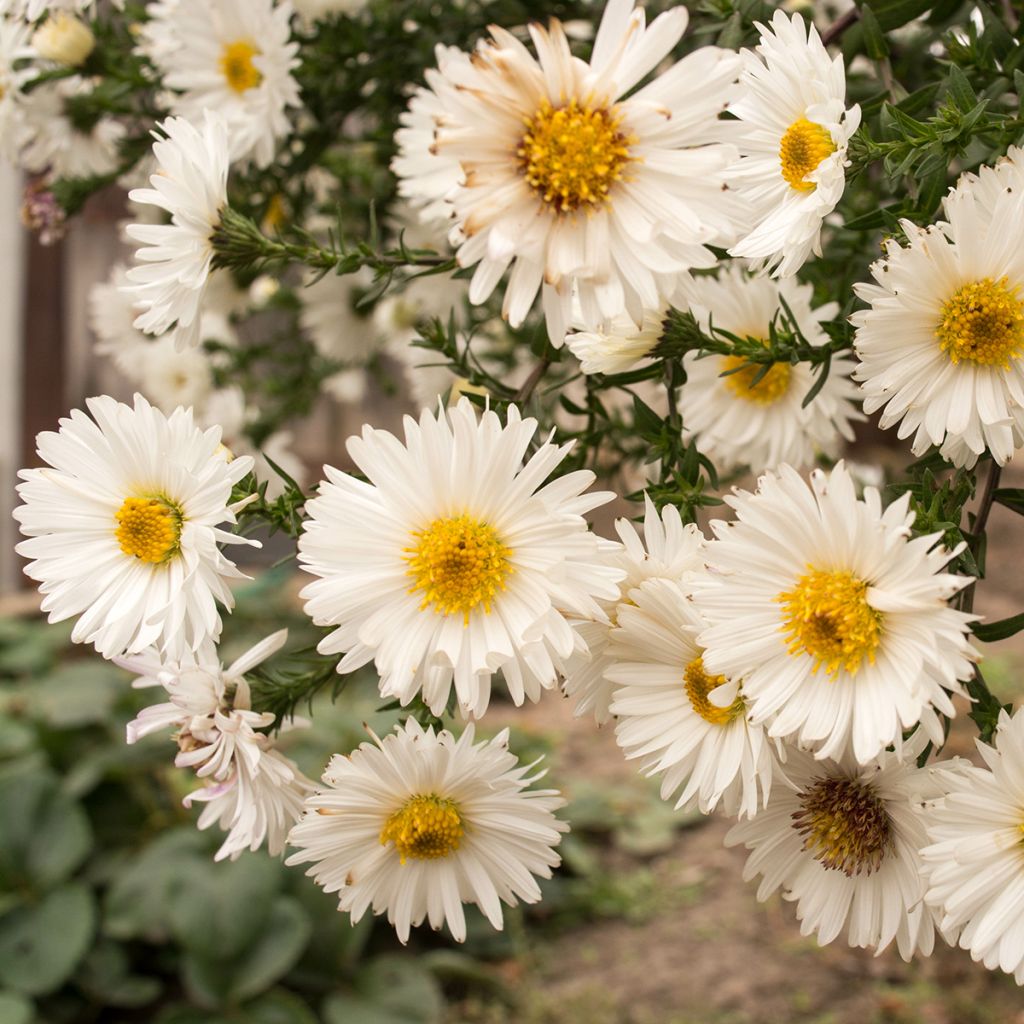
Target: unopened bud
<point>64,39</point>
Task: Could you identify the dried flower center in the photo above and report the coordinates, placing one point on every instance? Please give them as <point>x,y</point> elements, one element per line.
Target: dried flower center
<point>149,528</point>
<point>458,564</point>
<point>845,825</point>
<point>424,828</point>
<point>572,155</point>
<point>827,616</point>
<point>802,148</point>
<point>743,383</point>
<point>237,66</point>
<point>698,685</point>
<point>984,323</point>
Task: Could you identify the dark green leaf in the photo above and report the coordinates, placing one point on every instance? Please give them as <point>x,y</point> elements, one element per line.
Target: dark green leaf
<point>278,946</point>
<point>875,45</point>
<point>989,632</point>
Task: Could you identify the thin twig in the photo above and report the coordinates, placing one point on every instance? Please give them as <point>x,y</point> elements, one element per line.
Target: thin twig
<point>978,529</point>
<point>524,393</point>
<point>835,31</point>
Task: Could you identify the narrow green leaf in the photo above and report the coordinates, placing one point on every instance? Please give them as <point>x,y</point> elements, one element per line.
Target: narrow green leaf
<point>989,632</point>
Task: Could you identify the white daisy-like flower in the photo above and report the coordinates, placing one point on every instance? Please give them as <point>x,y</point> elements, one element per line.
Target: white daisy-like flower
<point>738,422</point>
<point>170,278</point>
<point>418,823</point>
<point>251,790</point>
<point>232,56</point>
<point>833,615</point>
<point>313,9</point>
<point>124,523</point>
<point>53,143</point>
<point>454,560</point>
<point>589,192</point>
<point>687,725</point>
<point>621,346</point>
<point>169,376</point>
<point>942,347</point>
<point>14,38</point>
<point>842,841</point>
<point>31,10</point>
<point>670,550</point>
<point>973,864</point>
<point>793,136</point>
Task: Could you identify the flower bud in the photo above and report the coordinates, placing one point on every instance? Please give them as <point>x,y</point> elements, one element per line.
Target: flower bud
<point>64,39</point>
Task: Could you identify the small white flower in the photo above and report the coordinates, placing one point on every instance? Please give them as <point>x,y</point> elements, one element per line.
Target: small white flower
<point>973,865</point>
<point>170,278</point>
<point>941,347</point>
<point>14,38</point>
<point>31,10</point>
<point>738,422</point>
<point>585,188</point>
<point>668,550</point>
<point>793,135</point>
<point>418,823</point>
<point>843,843</point>
<point>63,39</point>
<point>833,615</point>
<point>313,9</point>
<point>622,346</point>
<point>124,523</point>
<point>452,561</point>
<point>250,789</point>
<point>232,56</point>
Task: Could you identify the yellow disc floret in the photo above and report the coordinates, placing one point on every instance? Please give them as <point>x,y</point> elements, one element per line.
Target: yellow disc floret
<point>845,825</point>
<point>572,155</point>
<point>458,564</point>
<point>802,148</point>
<point>743,383</point>
<point>827,616</point>
<point>148,528</point>
<point>698,685</point>
<point>983,322</point>
<point>424,828</point>
<point>237,66</point>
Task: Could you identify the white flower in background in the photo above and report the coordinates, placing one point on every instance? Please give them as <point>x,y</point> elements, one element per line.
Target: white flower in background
<point>313,9</point>
<point>31,10</point>
<point>232,56</point>
<point>843,843</point>
<point>250,789</point>
<point>832,615</point>
<point>941,347</point>
<point>418,823</point>
<point>14,37</point>
<point>988,186</point>
<point>586,196</point>
<point>621,346</point>
<point>63,39</point>
<point>169,376</point>
<point>112,313</point>
<point>173,266</point>
<point>52,142</point>
<point>124,523</point>
<point>687,725</point>
<point>339,330</point>
<point>739,423</point>
<point>793,135</point>
<point>453,559</point>
<point>973,865</point>
<point>668,550</point>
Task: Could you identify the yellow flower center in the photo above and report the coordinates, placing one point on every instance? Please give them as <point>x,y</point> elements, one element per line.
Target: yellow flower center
<point>743,383</point>
<point>458,564</point>
<point>149,528</point>
<point>237,66</point>
<point>572,155</point>
<point>698,685</point>
<point>424,828</point>
<point>983,322</point>
<point>845,825</point>
<point>827,616</point>
<point>802,148</point>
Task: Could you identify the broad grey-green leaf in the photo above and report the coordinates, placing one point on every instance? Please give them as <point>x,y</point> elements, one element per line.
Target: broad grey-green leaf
<point>278,946</point>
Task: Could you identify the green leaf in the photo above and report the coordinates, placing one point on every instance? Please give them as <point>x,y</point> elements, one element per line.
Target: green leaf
<point>1011,497</point>
<point>647,422</point>
<point>278,1007</point>
<point>15,738</point>
<point>40,945</point>
<point>894,13</point>
<point>278,946</point>
<point>77,694</point>
<point>875,45</point>
<point>106,976</point>
<point>15,1009</point>
<point>960,90</point>
<point>392,990</point>
<point>989,632</point>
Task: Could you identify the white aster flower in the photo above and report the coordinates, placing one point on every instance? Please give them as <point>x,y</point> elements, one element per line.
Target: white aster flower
<point>973,865</point>
<point>31,10</point>
<point>834,617</point>
<point>793,135</point>
<point>170,376</point>
<point>251,790</point>
<point>738,422</point>
<point>313,9</point>
<point>687,725</point>
<point>174,264</point>
<point>453,561</point>
<point>668,550</point>
<point>123,529</point>
<point>941,347</point>
<point>232,56</point>
<point>14,37</point>
<point>621,346</point>
<point>843,842</point>
<point>590,193</point>
<point>419,823</point>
